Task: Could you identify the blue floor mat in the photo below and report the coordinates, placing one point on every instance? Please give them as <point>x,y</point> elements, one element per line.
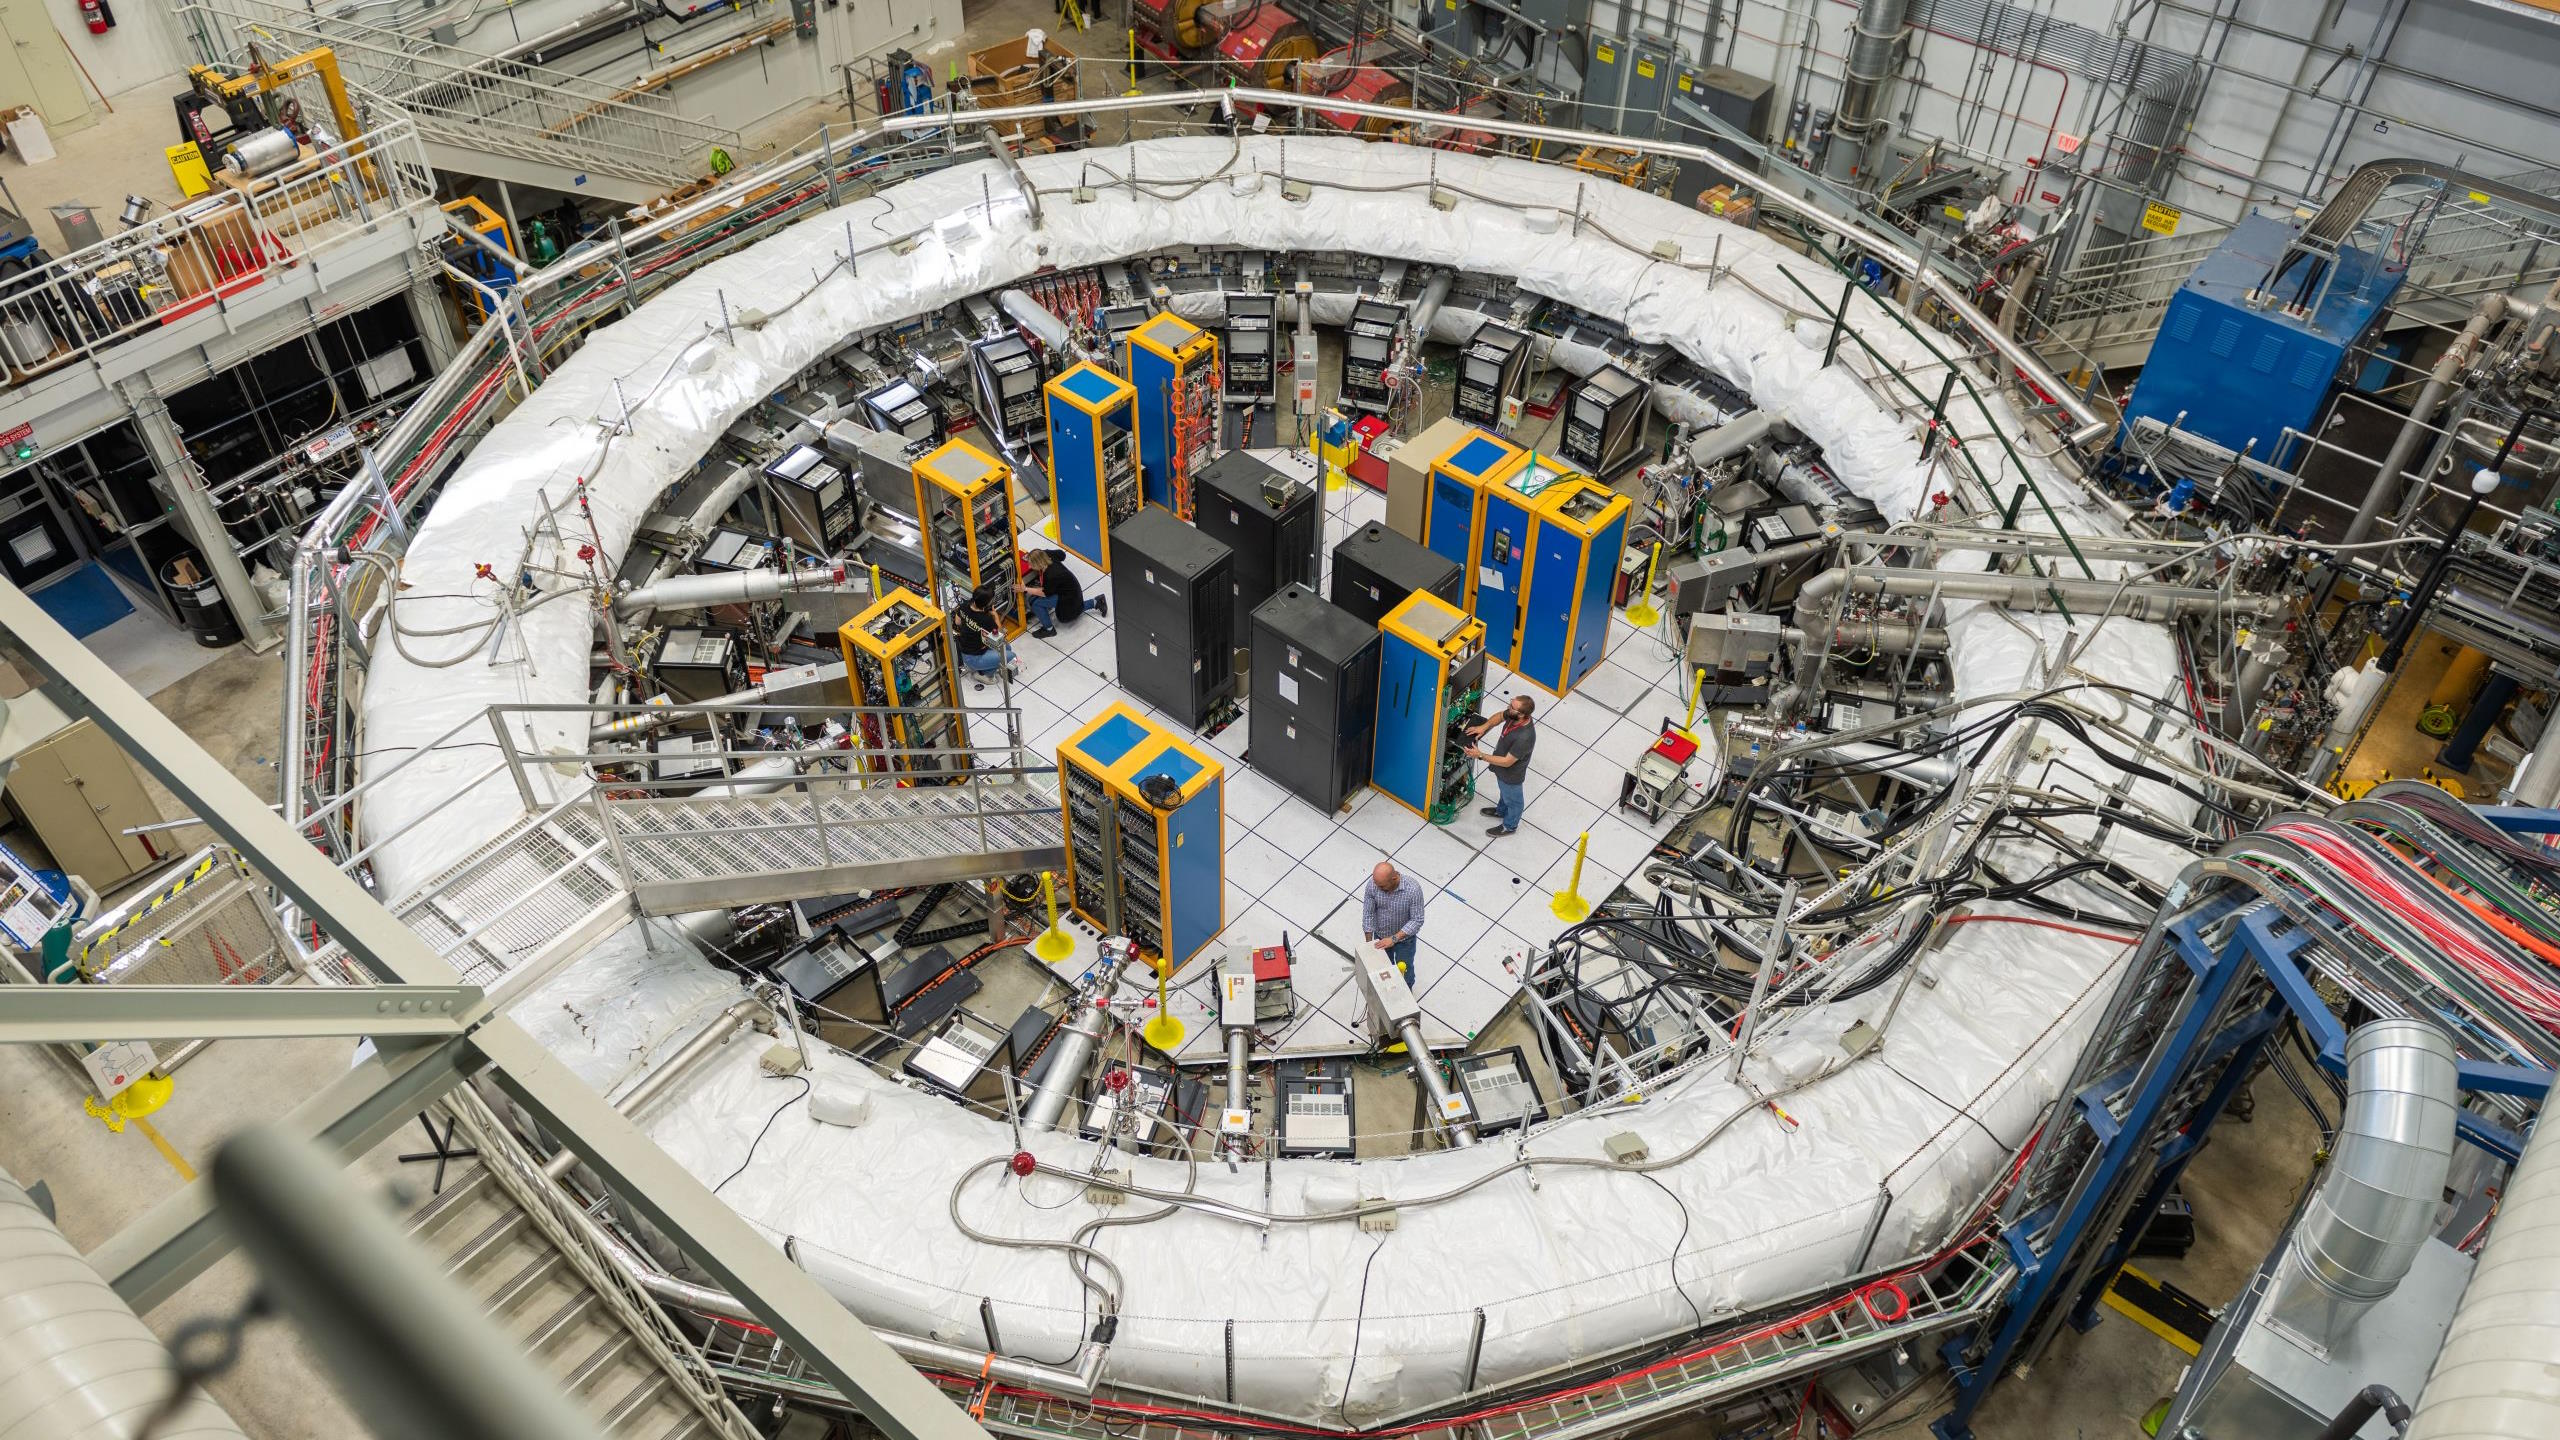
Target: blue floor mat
<point>85,601</point>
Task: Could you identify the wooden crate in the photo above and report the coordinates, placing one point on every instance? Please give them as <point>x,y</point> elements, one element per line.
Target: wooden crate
<point>1005,75</point>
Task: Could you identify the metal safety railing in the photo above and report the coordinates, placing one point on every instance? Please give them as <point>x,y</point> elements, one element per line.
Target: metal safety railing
<point>206,255</point>
<point>485,103</point>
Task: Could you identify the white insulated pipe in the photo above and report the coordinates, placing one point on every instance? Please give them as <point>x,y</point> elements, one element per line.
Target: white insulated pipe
<point>78,1364</point>
<point>2493,1378</point>
<point>1035,317</point>
<point>2376,1208</point>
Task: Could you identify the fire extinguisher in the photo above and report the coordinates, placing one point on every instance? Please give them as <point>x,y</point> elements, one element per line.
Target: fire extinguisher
<point>100,18</point>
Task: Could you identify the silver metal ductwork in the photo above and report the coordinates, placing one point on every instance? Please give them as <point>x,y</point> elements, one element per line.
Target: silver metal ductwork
<point>1077,1039</point>
<point>1875,52</point>
<point>2377,1205</point>
<point>2493,1378</point>
<point>79,1364</point>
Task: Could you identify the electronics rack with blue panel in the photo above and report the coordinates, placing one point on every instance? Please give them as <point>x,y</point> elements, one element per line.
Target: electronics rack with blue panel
<point>1453,511</point>
<point>1173,365</point>
<point>964,504</point>
<point>1146,834</point>
<point>1564,605</point>
<point>897,654</point>
<point>2235,362</point>
<point>1505,536</point>
<point>1093,467</point>
<point>1431,667</point>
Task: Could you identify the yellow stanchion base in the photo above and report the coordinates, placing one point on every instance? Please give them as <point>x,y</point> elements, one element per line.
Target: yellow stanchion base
<point>135,1101</point>
<point>1643,615</point>
<point>1164,1032</point>
<point>1048,529</point>
<point>1335,478</point>
<point>1054,945</point>
<point>1569,906</point>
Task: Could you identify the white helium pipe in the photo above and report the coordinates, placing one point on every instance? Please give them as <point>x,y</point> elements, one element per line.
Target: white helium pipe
<point>1035,317</point>
<point>78,1363</point>
<point>730,587</point>
<point>2375,1208</point>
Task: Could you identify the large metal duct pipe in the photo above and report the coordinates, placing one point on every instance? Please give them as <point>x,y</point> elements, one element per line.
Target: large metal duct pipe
<point>1427,309</point>
<point>1048,1103</point>
<point>2413,431</point>
<point>1875,48</point>
<point>1437,1096</point>
<point>1895,637</point>
<point>2376,1207</point>
<point>2084,598</point>
<point>78,1363</point>
<point>2493,1378</point>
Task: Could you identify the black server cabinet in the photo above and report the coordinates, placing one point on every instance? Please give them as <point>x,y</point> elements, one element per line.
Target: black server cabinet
<point>1006,377</point>
<point>1604,422</point>
<point>1268,517</point>
<point>1170,598</point>
<point>1494,365</point>
<point>1315,696</point>
<point>1368,349</point>
<point>814,501</point>
<point>1376,569</point>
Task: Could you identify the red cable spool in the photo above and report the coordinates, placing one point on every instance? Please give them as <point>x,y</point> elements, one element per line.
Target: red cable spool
<point>1259,49</point>
<point>1346,74</point>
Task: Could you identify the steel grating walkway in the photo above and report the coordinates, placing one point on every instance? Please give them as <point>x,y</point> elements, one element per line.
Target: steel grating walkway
<point>556,881</point>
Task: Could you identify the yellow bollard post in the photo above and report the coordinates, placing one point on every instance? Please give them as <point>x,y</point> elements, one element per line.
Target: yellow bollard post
<point>1641,610</point>
<point>1164,1032</point>
<point>1569,906</point>
<point>1133,61</point>
<point>1054,944</point>
<point>875,582</point>
<point>1697,687</point>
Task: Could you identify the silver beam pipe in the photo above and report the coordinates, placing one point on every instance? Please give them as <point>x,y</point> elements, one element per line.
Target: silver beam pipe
<point>1239,1067</point>
<point>733,587</point>
<point>2492,1379</point>
<point>659,717</point>
<point>1435,1086</point>
<point>1898,637</point>
<point>2413,431</point>
<point>654,1084</point>
<point>82,1365</point>
<point>1427,309</point>
<point>1887,250</point>
<point>1033,316</point>
<point>2036,593</point>
<point>1732,437</point>
<point>1048,1103</point>
<point>1937,771</point>
<point>2374,1210</point>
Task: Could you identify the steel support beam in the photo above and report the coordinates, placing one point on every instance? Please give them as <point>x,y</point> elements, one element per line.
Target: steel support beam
<point>56,1014</point>
<point>153,1257</point>
<point>203,524</point>
<point>813,1323</point>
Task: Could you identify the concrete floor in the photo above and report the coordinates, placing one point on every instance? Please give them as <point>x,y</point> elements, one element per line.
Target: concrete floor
<point>120,155</point>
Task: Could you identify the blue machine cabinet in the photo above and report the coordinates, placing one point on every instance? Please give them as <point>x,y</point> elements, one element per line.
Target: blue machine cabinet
<point>2239,371</point>
<point>1453,512</point>
<point>1573,562</point>
<point>1431,663</point>
<point>1093,476</point>
<point>1146,834</point>
<point>1173,365</point>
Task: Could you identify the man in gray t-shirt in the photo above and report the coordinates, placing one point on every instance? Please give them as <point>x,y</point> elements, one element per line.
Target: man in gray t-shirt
<point>1515,736</point>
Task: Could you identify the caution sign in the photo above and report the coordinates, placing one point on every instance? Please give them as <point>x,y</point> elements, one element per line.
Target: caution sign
<point>2161,219</point>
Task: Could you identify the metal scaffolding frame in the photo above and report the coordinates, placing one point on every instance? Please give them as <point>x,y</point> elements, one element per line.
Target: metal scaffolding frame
<point>410,1065</point>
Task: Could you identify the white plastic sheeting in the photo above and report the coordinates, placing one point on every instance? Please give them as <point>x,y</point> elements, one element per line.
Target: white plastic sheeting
<point>1332,1324</point>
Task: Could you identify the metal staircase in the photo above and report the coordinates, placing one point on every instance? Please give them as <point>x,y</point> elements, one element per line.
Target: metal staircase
<point>535,1263</point>
<point>483,115</point>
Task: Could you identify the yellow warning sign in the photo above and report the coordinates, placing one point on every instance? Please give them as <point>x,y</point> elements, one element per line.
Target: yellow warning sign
<point>2161,219</point>
<point>1645,68</point>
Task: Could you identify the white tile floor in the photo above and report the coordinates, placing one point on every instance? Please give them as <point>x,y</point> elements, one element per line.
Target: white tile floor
<point>1291,869</point>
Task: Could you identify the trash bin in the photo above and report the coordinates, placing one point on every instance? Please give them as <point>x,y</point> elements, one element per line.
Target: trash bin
<point>201,607</point>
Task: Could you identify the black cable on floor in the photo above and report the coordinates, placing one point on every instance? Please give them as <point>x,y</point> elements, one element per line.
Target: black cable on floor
<point>805,1088</point>
<point>1697,1317</point>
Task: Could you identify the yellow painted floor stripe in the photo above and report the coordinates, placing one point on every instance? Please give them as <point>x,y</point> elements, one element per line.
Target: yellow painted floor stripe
<point>2149,1322</point>
<point>168,1151</point>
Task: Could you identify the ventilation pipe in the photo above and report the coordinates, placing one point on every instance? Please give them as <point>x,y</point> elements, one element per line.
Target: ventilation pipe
<point>79,1363</point>
<point>2414,430</point>
<point>1875,50</point>
<point>1033,316</point>
<point>2492,1380</point>
<point>2375,1209</point>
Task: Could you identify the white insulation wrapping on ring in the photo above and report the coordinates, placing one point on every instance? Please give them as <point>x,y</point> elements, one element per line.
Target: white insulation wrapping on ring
<point>1332,1324</point>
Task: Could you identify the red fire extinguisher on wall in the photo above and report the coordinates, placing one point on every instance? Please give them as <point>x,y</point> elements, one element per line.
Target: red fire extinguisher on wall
<point>100,18</point>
